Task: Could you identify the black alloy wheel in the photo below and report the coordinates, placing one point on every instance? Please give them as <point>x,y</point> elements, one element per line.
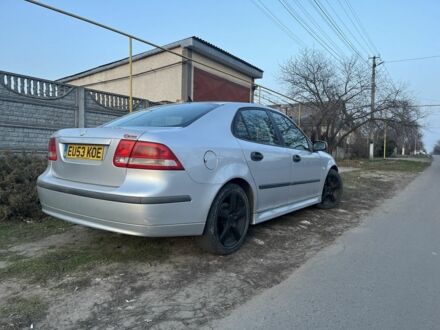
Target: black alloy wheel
<point>332,191</point>
<point>228,221</point>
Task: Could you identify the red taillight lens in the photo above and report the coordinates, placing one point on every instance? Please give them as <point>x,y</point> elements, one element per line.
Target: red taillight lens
<point>145,155</point>
<point>52,149</point>
<point>122,153</point>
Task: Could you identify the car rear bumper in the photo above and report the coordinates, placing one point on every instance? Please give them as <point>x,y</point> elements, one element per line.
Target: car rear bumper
<point>140,215</point>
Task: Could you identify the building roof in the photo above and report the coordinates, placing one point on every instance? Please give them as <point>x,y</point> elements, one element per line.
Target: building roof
<point>196,44</point>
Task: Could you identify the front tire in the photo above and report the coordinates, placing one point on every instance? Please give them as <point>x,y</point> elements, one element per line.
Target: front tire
<point>332,191</point>
<point>228,221</point>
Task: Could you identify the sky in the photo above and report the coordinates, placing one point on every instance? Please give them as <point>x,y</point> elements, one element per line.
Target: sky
<point>37,42</point>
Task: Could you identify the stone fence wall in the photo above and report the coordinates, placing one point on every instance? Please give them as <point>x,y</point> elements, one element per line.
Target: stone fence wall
<point>31,109</point>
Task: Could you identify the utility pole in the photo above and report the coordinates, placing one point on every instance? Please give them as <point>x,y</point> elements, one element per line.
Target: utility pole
<point>372,109</point>
<point>299,115</point>
<point>385,141</point>
<point>415,145</point>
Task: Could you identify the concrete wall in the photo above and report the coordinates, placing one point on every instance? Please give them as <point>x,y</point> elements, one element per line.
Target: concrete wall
<point>31,109</point>
<point>156,78</point>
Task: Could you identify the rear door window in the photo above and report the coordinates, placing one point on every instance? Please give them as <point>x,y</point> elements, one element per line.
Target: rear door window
<point>255,125</point>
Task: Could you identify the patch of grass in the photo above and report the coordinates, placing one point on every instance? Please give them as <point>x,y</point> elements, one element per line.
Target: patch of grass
<point>19,312</point>
<point>350,162</point>
<point>389,164</point>
<point>395,165</point>
<point>14,231</point>
<point>102,250</point>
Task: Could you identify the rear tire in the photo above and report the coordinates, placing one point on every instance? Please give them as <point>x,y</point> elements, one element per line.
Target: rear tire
<point>228,221</point>
<point>332,191</point>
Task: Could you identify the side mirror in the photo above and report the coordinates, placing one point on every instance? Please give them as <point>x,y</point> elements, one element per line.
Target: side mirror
<point>320,146</point>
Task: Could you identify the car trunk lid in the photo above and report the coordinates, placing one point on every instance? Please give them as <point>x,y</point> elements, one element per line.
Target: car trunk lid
<point>90,142</point>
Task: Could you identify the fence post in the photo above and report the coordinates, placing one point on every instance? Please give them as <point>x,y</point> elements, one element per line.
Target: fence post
<point>81,107</point>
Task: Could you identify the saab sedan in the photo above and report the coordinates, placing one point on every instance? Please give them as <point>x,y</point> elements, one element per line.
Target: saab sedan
<point>192,169</point>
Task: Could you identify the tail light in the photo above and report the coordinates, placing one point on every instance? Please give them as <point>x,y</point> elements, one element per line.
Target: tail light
<point>52,149</point>
<point>145,155</point>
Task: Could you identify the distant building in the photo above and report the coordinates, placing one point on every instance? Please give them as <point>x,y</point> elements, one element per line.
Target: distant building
<point>162,76</point>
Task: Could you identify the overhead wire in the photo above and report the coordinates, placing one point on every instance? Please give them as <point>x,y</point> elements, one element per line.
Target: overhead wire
<point>316,25</point>
<point>353,23</point>
<point>346,27</point>
<point>269,14</point>
<point>413,59</point>
<point>333,25</point>
<point>365,36</point>
<point>362,28</point>
<point>310,31</point>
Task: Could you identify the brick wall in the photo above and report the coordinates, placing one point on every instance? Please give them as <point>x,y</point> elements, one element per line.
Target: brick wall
<point>31,109</point>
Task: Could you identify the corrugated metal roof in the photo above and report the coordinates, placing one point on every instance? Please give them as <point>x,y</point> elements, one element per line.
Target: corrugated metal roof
<point>194,43</point>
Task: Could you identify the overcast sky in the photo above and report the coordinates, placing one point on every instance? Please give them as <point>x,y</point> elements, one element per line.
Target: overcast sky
<point>35,41</point>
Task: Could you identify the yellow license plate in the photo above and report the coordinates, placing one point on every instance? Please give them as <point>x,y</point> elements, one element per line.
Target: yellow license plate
<point>85,151</point>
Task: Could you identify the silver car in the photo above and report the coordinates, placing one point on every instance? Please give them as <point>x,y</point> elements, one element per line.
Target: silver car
<point>209,169</point>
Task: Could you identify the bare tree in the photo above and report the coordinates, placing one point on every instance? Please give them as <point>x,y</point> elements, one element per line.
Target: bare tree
<point>338,95</point>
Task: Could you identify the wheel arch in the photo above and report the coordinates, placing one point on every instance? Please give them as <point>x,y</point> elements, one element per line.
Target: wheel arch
<point>334,167</point>
<point>247,189</point>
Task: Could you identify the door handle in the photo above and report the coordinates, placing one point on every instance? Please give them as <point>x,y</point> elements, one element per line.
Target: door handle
<point>296,158</point>
<point>256,156</point>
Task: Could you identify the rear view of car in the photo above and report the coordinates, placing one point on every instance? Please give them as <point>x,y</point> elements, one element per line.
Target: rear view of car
<point>124,176</point>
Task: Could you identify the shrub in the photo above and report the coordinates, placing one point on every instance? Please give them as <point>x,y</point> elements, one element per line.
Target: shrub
<point>18,191</point>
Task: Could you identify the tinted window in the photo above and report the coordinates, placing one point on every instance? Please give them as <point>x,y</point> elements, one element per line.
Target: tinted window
<point>255,125</point>
<point>176,115</point>
<point>240,128</point>
<point>292,136</point>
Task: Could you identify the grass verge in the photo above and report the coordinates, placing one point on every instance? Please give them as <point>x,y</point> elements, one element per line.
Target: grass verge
<point>16,231</point>
<point>100,250</point>
<point>387,165</point>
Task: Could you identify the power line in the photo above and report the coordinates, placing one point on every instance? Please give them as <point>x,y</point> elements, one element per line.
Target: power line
<point>269,14</point>
<point>309,30</point>
<point>423,105</point>
<point>361,26</point>
<point>413,59</point>
<point>316,25</point>
<point>346,27</point>
<point>356,27</point>
<point>333,25</point>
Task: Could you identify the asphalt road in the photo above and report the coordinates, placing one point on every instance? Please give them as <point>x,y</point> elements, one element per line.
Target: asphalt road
<point>384,274</point>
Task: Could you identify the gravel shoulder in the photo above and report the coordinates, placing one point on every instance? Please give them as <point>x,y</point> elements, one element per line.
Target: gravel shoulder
<point>74,277</point>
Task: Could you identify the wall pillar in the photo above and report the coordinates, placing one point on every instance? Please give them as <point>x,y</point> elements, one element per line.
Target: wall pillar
<point>81,107</point>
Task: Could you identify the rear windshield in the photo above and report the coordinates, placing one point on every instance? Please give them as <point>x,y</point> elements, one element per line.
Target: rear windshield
<point>175,115</point>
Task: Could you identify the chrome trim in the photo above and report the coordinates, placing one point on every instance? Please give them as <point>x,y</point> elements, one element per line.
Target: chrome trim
<point>113,197</point>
